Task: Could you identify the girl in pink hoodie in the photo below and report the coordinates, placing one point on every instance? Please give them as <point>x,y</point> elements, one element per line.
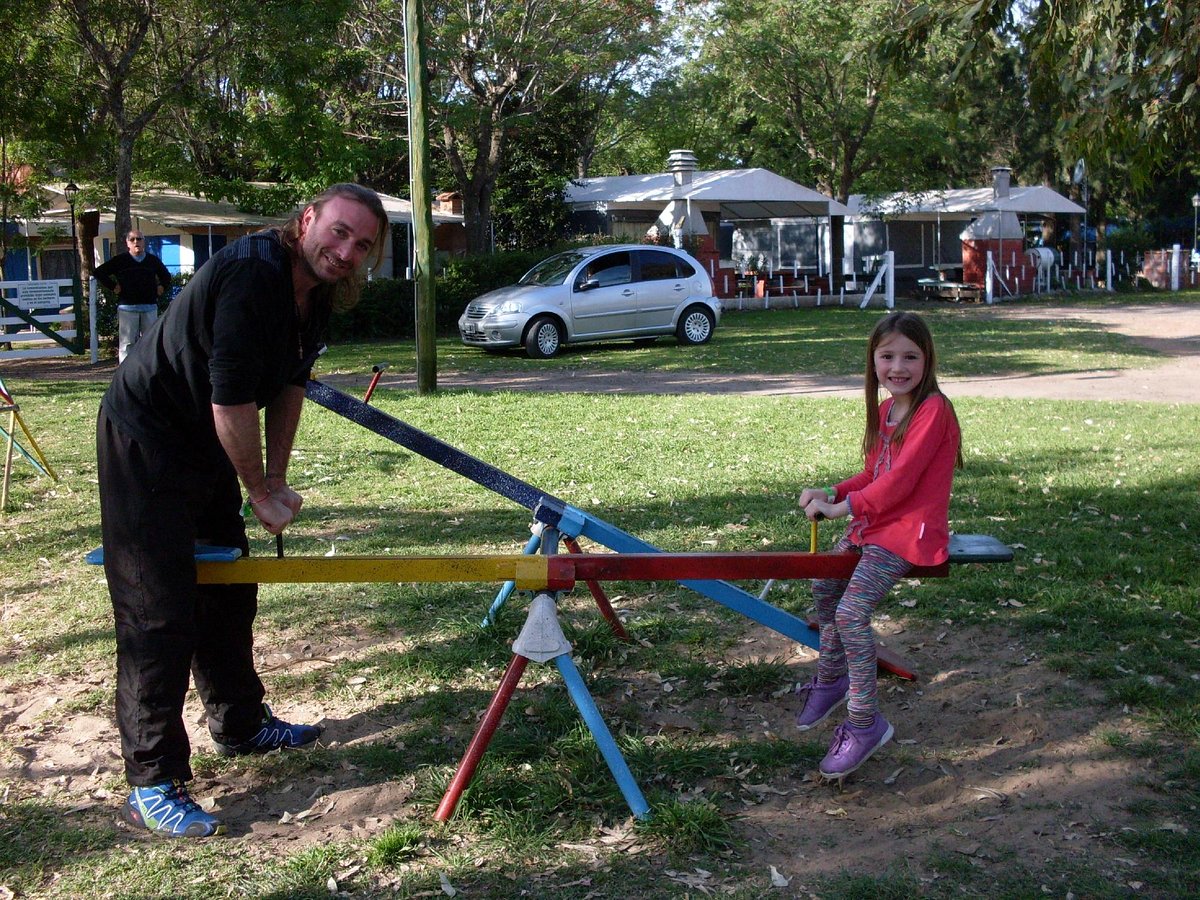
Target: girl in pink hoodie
<point>898,504</point>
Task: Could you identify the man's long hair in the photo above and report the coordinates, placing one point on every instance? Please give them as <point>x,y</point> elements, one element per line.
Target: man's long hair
<point>344,293</point>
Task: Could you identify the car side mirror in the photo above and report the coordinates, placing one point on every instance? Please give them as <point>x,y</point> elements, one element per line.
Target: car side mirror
<point>589,284</point>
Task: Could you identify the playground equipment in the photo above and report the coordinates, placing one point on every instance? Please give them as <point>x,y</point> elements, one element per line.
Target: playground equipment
<point>543,570</point>
<point>541,638</point>
<point>10,406</point>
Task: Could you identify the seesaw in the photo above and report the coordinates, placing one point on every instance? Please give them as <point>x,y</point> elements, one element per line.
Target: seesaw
<point>543,570</point>
<point>541,638</point>
<point>570,523</point>
<point>545,573</point>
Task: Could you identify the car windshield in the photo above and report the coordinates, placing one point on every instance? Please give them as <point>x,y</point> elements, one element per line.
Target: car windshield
<point>553,270</point>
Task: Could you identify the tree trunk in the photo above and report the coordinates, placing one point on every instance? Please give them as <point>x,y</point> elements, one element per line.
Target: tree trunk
<point>123,186</point>
<point>837,251</point>
<point>477,218</point>
<point>89,228</point>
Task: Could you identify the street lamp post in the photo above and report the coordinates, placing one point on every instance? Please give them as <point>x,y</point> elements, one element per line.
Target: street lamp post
<point>71,191</point>
<point>1195,222</point>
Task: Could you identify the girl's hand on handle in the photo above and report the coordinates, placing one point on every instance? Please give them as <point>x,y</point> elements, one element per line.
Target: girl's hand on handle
<point>821,508</point>
<point>808,495</point>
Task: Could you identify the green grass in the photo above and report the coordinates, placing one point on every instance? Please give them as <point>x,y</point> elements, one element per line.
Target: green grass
<point>971,339</point>
<point>1099,499</point>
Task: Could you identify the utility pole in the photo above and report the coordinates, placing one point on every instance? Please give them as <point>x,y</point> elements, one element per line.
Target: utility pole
<point>422,209</point>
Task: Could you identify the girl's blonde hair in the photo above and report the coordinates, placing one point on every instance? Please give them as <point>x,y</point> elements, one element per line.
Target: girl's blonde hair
<point>913,327</point>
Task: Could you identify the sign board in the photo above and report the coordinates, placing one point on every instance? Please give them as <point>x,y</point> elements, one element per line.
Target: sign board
<point>39,295</point>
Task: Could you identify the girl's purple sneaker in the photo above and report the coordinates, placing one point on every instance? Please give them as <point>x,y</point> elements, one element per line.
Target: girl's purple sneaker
<point>853,745</point>
<point>820,700</point>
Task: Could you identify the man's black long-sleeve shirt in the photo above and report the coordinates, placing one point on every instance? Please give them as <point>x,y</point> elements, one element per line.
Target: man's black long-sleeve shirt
<point>232,336</point>
<point>139,280</point>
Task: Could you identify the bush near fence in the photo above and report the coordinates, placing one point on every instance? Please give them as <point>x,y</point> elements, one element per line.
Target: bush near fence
<point>386,310</point>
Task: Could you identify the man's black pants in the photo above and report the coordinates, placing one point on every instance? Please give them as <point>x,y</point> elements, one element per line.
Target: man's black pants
<point>154,507</point>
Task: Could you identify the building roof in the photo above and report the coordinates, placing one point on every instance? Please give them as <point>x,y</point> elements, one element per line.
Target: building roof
<point>962,203</point>
<point>177,209</point>
<point>735,193</point>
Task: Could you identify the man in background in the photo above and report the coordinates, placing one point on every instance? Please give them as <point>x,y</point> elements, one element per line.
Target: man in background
<point>138,278</point>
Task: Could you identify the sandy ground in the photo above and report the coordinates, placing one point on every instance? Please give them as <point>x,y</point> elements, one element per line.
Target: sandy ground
<point>1170,329</point>
<point>989,767</point>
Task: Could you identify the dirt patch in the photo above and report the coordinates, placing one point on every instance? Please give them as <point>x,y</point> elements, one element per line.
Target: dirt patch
<point>996,760</point>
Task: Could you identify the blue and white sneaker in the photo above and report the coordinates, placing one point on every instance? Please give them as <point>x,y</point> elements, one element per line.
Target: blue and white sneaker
<point>273,735</point>
<point>168,809</point>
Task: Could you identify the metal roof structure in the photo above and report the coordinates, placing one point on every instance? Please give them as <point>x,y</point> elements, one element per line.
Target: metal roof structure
<point>177,209</point>
<point>962,203</point>
<point>734,193</point>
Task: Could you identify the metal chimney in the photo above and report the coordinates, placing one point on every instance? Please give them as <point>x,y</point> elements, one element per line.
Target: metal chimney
<point>681,164</point>
<point>1001,182</point>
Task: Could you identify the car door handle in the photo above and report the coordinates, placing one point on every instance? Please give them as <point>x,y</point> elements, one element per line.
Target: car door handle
<point>627,293</point>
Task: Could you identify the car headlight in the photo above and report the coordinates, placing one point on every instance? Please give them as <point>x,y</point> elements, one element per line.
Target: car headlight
<point>508,307</point>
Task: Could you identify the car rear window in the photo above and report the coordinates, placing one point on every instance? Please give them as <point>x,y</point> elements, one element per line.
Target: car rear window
<point>658,266</point>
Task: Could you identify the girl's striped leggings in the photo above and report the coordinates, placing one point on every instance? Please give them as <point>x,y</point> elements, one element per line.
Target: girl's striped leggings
<point>844,608</point>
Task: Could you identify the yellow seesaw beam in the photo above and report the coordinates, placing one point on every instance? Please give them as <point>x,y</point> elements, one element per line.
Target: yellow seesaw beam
<point>529,572</point>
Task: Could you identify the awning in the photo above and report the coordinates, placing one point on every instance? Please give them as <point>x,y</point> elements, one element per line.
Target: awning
<point>1037,200</point>
<point>962,203</point>
<point>734,193</point>
<point>176,209</point>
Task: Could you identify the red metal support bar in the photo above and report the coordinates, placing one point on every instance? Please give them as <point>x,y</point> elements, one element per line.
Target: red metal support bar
<point>600,597</point>
<point>483,736</point>
<point>377,369</point>
<point>722,566</point>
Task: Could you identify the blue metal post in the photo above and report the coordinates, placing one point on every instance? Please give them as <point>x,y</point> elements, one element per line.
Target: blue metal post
<point>604,739</point>
<point>508,587</point>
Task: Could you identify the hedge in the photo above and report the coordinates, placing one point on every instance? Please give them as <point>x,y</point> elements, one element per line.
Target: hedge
<point>385,311</point>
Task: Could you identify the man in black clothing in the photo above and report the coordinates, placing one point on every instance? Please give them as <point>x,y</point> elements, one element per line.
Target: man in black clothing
<point>177,429</point>
<point>138,278</point>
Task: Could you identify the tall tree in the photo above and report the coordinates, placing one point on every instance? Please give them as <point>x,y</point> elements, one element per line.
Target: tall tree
<point>528,207</point>
<point>805,79</point>
<point>1128,71</point>
<point>139,55</point>
<point>495,64</point>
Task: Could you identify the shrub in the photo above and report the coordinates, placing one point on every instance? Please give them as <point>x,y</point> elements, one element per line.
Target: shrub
<point>386,309</point>
<point>1132,239</point>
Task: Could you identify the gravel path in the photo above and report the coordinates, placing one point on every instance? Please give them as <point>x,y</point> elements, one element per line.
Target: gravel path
<point>1170,329</point>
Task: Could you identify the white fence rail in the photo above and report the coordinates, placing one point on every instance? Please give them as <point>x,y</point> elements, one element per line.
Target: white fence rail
<point>49,304</point>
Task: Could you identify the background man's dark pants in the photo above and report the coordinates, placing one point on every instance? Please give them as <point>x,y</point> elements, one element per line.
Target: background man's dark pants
<point>154,506</point>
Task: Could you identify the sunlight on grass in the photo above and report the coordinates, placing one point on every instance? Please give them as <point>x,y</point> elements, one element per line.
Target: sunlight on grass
<point>1098,499</point>
<point>972,339</point>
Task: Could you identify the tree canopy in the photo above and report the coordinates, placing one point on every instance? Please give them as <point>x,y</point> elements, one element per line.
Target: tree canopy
<point>877,96</point>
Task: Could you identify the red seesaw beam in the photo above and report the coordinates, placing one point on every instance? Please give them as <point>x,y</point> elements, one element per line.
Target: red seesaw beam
<point>535,572</point>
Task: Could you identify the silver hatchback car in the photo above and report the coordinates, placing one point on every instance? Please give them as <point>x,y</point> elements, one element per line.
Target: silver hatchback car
<point>596,294</point>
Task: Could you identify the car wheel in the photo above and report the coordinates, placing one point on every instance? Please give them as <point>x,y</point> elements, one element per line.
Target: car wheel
<point>695,326</point>
<point>543,338</point>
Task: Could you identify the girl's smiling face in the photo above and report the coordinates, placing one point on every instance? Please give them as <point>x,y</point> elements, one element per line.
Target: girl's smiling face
<point>899,364</point>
